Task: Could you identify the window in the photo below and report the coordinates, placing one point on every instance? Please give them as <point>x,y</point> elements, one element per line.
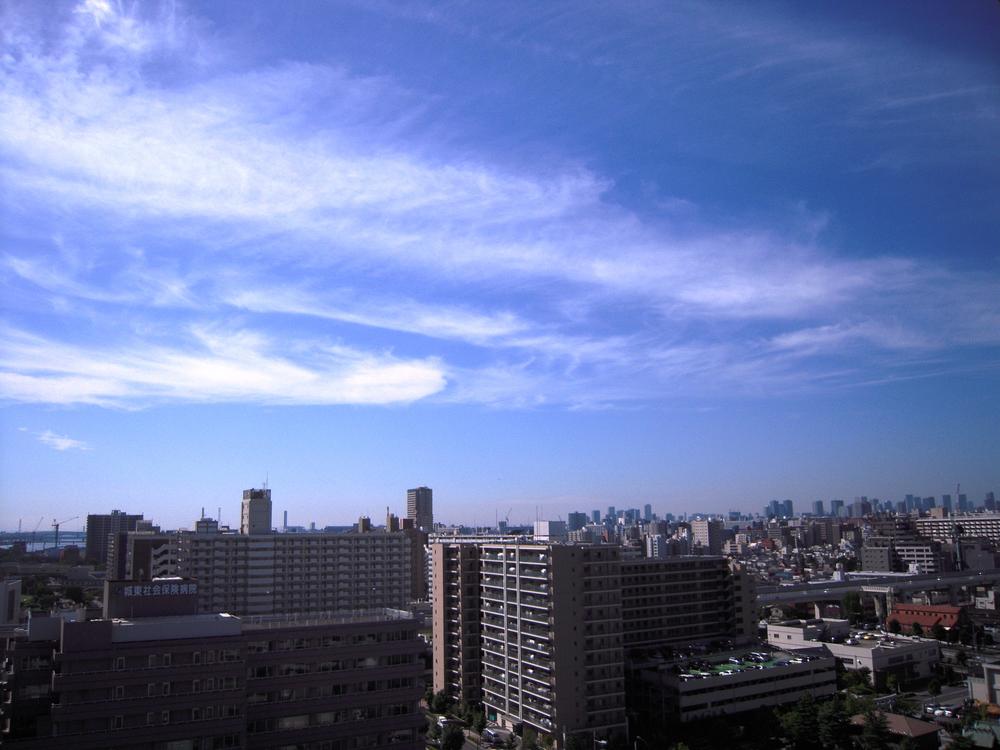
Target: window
<point>151,689</point>
<point>196,657</point>
<point>119,691</point>
<point>165,688</point>
<point>152,660</point>
<point>117,722</point>
<point>167,658</point>
<point>119,662</point>
<point>151,717</point>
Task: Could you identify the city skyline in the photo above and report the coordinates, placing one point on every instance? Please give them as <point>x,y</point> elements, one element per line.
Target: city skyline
<point>553,256</point>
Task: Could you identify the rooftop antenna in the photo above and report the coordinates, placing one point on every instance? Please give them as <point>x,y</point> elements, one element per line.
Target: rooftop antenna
<point>219,513</point>
<point>266,477</point>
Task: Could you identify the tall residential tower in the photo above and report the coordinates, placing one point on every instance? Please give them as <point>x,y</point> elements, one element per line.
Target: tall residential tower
<point>420,507</point>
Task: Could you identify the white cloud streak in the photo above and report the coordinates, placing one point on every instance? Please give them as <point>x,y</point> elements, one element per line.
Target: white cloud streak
<point>234,171</point>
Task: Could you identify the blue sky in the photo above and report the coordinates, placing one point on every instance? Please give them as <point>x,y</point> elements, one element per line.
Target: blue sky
<point>536,256</point>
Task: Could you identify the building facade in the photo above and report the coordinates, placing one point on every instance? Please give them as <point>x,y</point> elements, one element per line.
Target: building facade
<point>420,508</point>
<point>538,632</point>
<point>255,512</point>
<point>100,526</point>
<point>330,682</point>
<point>261,574</point>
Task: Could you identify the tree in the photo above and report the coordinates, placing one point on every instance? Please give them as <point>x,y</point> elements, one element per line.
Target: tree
<point>433,730</point>
<point>852,606</point>
<point>938,631</point>
<point>934,686</point>
<point>875,733</point>
<point>441,702</point>
<point>578,742</point>
<point>798,724</point>
<point>895,627</point>
<point>478,721</point>
<point>892,683</point>
<point>529,740</point>
<point>917,629</point>
<point>831,724</point>
<point>452,738</point>
<point>962,658</point>
<point>75,593</point>
<point>961,742</point>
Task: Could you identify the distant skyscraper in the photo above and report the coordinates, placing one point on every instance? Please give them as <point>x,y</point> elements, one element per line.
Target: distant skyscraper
<point>576,521</point>
<point>990,502</point>
<point>647,512</point>
<point>595,516</point>
<point>787,509</point>
<point>100,526</point>
<point>707,534</point>
<point>612,514</point>
<point>836,508</point>
<point>946,502</point>
<point>255,515</point>
<point>420,507</point>
<point>818,508</point>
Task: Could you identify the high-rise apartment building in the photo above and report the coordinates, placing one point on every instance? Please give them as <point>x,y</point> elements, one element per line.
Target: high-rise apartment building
<point>420,507</point>
<point>576,521</point>
<point>542,638</point>
<point>647,512</point>
<point>255,513</point>
<point>818,508</point>
<point>263,574</point>
<point>546,615</point>
<point>708,533</point>
<point>100,526</point>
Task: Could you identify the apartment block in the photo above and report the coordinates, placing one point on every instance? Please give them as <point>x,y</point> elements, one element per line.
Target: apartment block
<point>551,616</point>
<point>684,599</point>
<point>985,525</point>
<point>260,574</point>
<point>100,527</point>
<point>457,624</point>
<point>331,681</point>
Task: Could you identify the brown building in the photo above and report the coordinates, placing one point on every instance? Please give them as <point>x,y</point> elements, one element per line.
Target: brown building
<point>345,680</point>
<point>538,632</point>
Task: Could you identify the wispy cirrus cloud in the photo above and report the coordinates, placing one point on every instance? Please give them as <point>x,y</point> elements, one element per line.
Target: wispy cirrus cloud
<point>209,365</point>
<point>56,441</point>
<point>321,206</point>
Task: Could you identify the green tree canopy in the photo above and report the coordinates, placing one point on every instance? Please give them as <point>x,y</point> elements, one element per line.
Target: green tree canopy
<point>452,738</point>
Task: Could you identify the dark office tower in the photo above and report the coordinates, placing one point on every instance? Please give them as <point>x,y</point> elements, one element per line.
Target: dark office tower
<point>836,508</point>
<point>818,508</point>
<point>576,521</point>
<point>612,514</point>
<point>595,516</point>
<point>420,507</point>
<point>255,513</point>
<point>990,502</point>
<point>647,512</point>
<point>946,502</point>
<point>963,502</point>
<point>787,509</point>
<point>100,527</point>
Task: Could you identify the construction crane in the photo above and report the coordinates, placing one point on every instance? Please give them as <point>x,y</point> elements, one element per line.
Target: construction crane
<point>56,524</point>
